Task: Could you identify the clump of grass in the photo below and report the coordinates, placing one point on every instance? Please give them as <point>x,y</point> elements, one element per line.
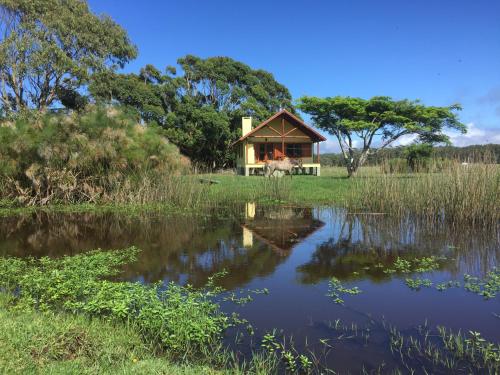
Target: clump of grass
<point>463,194</point>
<point>445,352</point>
<point>276,189</point>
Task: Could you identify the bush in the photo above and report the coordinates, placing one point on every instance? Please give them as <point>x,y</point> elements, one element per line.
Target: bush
<point>75,158</point>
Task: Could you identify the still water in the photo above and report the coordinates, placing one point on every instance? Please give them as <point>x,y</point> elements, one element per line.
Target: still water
<point>293,252</point>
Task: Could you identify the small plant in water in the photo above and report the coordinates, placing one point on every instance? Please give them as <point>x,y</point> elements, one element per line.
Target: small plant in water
<point>447,284</point>
<point>336,290</point>
<point>488,287</point>
<point>418,283</point>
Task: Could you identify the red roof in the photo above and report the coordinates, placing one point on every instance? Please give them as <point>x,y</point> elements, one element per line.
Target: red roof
<point>315,136</point>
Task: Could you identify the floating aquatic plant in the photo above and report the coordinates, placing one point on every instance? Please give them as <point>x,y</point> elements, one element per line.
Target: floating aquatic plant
<point>420,265</point>
<point>488,287</point>
<point>447,284</point>
<point>418,283</point>
<point>336,290</point>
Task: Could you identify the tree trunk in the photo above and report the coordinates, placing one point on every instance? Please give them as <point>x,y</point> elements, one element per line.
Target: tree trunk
<point>351,171</point>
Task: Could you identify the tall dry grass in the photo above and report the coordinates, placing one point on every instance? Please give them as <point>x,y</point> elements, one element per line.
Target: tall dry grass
<point>462,194</point>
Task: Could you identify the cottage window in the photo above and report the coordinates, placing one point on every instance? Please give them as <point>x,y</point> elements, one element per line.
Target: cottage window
<point>294,150</point>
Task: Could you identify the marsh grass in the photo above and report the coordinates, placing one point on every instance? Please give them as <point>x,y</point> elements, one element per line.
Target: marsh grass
<point>462,195</point>
<point>445,351</point>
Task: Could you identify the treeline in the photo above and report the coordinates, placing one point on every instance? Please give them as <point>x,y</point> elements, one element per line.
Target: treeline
<point>469,154</point>
<point>57,54</point>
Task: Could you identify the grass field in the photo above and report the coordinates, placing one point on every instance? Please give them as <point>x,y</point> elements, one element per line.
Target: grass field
<point>51,343</point>
<point>332,187</point>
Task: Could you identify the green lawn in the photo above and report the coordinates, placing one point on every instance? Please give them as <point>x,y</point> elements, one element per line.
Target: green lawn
<point>49,343</point>
<point>331,187</point>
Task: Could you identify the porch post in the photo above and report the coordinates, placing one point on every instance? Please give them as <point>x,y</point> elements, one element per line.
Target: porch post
<point>283,137</point>
<point>318,153</point>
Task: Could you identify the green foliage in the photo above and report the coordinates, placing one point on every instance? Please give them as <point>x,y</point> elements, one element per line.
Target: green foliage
<point>81,157</point>
<point>201,108</point>
<point>34,343</point>
<point>418,283</point>
<point>418,155</point>
<point>420,265</point>
<point>49,49</point>
<point>181,320</point>
<point>336,290</point>
<point>294,362</point>
<point>349,119</point>
<point>465,195</point>
<point>447,285</point>
<point>488,287</point>
<point>489,153</point>
<point>453,353</point>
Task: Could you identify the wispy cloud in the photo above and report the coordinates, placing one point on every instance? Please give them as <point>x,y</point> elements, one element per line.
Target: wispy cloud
<point>474,136</point>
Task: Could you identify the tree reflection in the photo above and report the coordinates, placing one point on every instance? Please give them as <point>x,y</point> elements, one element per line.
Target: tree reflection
<point>363,245</point>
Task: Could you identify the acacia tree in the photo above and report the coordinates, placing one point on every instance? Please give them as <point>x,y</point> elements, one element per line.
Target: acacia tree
<point>49,48</point>
<point>358,123</point>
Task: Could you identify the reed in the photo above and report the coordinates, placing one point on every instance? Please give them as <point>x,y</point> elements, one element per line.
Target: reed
<point>462,194</point>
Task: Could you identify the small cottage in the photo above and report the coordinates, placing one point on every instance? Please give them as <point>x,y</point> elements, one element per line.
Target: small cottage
<point>281,135</point>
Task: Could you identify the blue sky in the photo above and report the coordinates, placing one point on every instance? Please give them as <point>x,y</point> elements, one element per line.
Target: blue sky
<point>440,51</point>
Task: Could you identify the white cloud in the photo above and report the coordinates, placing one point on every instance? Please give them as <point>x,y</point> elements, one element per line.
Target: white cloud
<point>405,140</point>
<point>331,145</point>
<point>474,136</point>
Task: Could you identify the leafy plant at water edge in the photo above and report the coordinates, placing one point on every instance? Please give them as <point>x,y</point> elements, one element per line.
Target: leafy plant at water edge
<point>336,290</point>
<point>182,320</point>
<point>294,362</point>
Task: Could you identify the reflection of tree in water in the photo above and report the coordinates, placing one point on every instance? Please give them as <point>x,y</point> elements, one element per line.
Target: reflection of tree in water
<point>359,242</point>
<point>181,248</point>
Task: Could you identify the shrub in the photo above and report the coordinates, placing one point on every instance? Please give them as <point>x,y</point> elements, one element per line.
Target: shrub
<point>80,157</point>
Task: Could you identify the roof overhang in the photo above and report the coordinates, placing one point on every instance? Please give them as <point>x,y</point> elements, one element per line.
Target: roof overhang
<point>315,136</point>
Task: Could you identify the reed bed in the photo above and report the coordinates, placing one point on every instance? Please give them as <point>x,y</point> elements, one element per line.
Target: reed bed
<point>462,194</point>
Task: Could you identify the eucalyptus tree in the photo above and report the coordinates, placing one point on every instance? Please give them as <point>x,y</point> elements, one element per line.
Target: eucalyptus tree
<point>359,123</point>
<point>49,48</point>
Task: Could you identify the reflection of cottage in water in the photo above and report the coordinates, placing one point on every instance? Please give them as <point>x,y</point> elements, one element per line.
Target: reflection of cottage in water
<point>281,228</point>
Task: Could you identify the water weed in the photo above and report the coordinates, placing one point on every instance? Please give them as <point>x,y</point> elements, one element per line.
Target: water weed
<point>487,287</point>
<point>337,291</point>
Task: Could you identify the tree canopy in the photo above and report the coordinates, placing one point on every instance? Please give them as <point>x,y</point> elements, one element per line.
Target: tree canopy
<point>49,48</point>
<point>357,123</point>
<point>201,106</point>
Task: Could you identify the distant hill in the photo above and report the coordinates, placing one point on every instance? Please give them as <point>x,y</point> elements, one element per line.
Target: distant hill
<point>489,152</point>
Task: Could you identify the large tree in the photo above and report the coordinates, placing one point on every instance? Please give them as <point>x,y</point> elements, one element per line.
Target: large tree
<point>359,123</point>
<point>201,106</point>
<point>49,48</point>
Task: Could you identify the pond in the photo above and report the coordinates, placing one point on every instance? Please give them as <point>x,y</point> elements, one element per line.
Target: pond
<point>284,258</point>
